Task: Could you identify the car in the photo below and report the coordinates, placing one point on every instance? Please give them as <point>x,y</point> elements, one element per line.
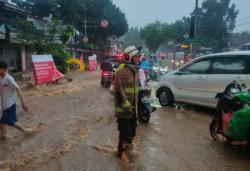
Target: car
<point>200,80</point>
<point>246,47</point>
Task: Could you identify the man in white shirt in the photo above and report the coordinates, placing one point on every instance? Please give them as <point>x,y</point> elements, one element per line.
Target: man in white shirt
<point>8,92</point>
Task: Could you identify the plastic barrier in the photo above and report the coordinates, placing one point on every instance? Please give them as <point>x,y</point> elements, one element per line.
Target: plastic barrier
<point>81,66</point>
<point>92,63</point>
<point>45,69</point>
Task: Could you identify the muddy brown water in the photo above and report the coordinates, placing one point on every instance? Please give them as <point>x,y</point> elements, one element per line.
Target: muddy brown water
<point>77,131</point>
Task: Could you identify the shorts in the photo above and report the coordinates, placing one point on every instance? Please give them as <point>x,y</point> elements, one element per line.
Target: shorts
<point>9,116</point>
<point>127,128</point>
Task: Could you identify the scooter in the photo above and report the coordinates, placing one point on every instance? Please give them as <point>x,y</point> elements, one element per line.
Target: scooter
<point>228,104</point>
<point>144,106</point>
<point>106,79</point>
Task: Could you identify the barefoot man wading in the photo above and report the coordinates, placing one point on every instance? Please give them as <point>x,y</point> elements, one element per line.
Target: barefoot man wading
<point>126,88</point>
<point>8,92</point>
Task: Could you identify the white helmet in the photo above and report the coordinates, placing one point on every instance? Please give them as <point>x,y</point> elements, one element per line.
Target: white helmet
<point>129,53</point>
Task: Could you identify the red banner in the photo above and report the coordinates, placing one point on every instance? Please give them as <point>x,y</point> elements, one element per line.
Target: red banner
<point>45,69</point>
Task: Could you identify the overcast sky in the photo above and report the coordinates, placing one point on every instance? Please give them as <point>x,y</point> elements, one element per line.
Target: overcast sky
<point>142,12</point>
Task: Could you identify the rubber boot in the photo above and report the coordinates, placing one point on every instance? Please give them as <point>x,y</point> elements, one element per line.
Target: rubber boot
<point>122,151</point>
<point>133,140</point>
<point>119,150</point>
<point>132,149</point>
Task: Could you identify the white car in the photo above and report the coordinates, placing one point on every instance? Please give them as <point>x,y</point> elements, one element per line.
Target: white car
<point>200,80</point>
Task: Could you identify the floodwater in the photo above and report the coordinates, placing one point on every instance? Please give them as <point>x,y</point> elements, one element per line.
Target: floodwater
<point>77,130</point>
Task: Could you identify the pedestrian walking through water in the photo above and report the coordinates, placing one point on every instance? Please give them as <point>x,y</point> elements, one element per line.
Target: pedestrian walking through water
<point>126,89</point>
<point>8,92</point>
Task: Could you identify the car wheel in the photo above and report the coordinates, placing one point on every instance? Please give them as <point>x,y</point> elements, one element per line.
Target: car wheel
<point>166,97</point>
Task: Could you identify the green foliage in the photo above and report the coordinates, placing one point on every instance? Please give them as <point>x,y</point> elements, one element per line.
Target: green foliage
<point>95,12</point>
<point>132,37</point>
<point>155,34</point>
<point>28,33</point>
<point>59,55</point>
<point>64,17</point>
<point>74,12</point>
<point>71,12</point>
<point>66,34</point>
<point>180,28</point>
<point>217,20</point>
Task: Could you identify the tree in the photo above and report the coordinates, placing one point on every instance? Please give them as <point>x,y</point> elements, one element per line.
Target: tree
<point>176,31</point>
<point>155,34</point>
<point>98,11</point>
<point>181,27</point>
<point>152,34</point>
<point>27,32</point>
<point>237,40</point>
<point>217,20</point>
<point>73,13</point>
<point>132,37</point>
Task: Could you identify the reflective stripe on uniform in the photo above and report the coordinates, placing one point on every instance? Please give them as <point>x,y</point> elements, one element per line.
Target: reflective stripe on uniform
<point>120,67</point>
<point>126,104</point>
<point>131,90</point>
<point>119,110</point>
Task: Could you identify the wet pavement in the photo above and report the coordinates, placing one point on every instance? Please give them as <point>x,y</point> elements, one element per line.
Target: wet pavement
<point>76,130</point>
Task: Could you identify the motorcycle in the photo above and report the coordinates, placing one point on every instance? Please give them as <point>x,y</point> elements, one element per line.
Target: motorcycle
<point>106,79</point>
<point>228,104</point>
<point>144,106</point>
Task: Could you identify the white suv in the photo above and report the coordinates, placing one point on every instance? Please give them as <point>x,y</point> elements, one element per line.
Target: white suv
<point>200,80</point>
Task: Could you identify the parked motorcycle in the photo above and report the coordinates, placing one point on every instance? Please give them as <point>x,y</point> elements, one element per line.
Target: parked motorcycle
<point>144,107</point>
<point>231,103</point>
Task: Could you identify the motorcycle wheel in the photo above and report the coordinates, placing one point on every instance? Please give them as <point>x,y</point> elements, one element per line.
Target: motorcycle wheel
<point>144,116</point>
<point>102,83</point>
<point>213,129</point>
<point>107,84</point>
<point>215,132</point>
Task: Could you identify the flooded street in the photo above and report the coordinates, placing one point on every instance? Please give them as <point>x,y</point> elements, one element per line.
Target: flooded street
<point>77,130</point>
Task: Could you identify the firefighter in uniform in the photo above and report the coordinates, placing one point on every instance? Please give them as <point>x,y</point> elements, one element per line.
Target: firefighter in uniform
<point>126,89</point>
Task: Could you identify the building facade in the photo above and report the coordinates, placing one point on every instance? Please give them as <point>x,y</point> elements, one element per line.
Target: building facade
<point>12,49</point>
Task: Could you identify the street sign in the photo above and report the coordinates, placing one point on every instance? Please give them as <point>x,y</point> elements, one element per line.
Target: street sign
<point>85,39</point>
<point>185,36</point>
<point>104,23</point>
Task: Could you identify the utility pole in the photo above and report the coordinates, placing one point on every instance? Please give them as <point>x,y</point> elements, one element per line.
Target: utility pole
<point>104,24</point>
<point>196,18</point>
<point>194,27</point>
<point>75,39</point>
